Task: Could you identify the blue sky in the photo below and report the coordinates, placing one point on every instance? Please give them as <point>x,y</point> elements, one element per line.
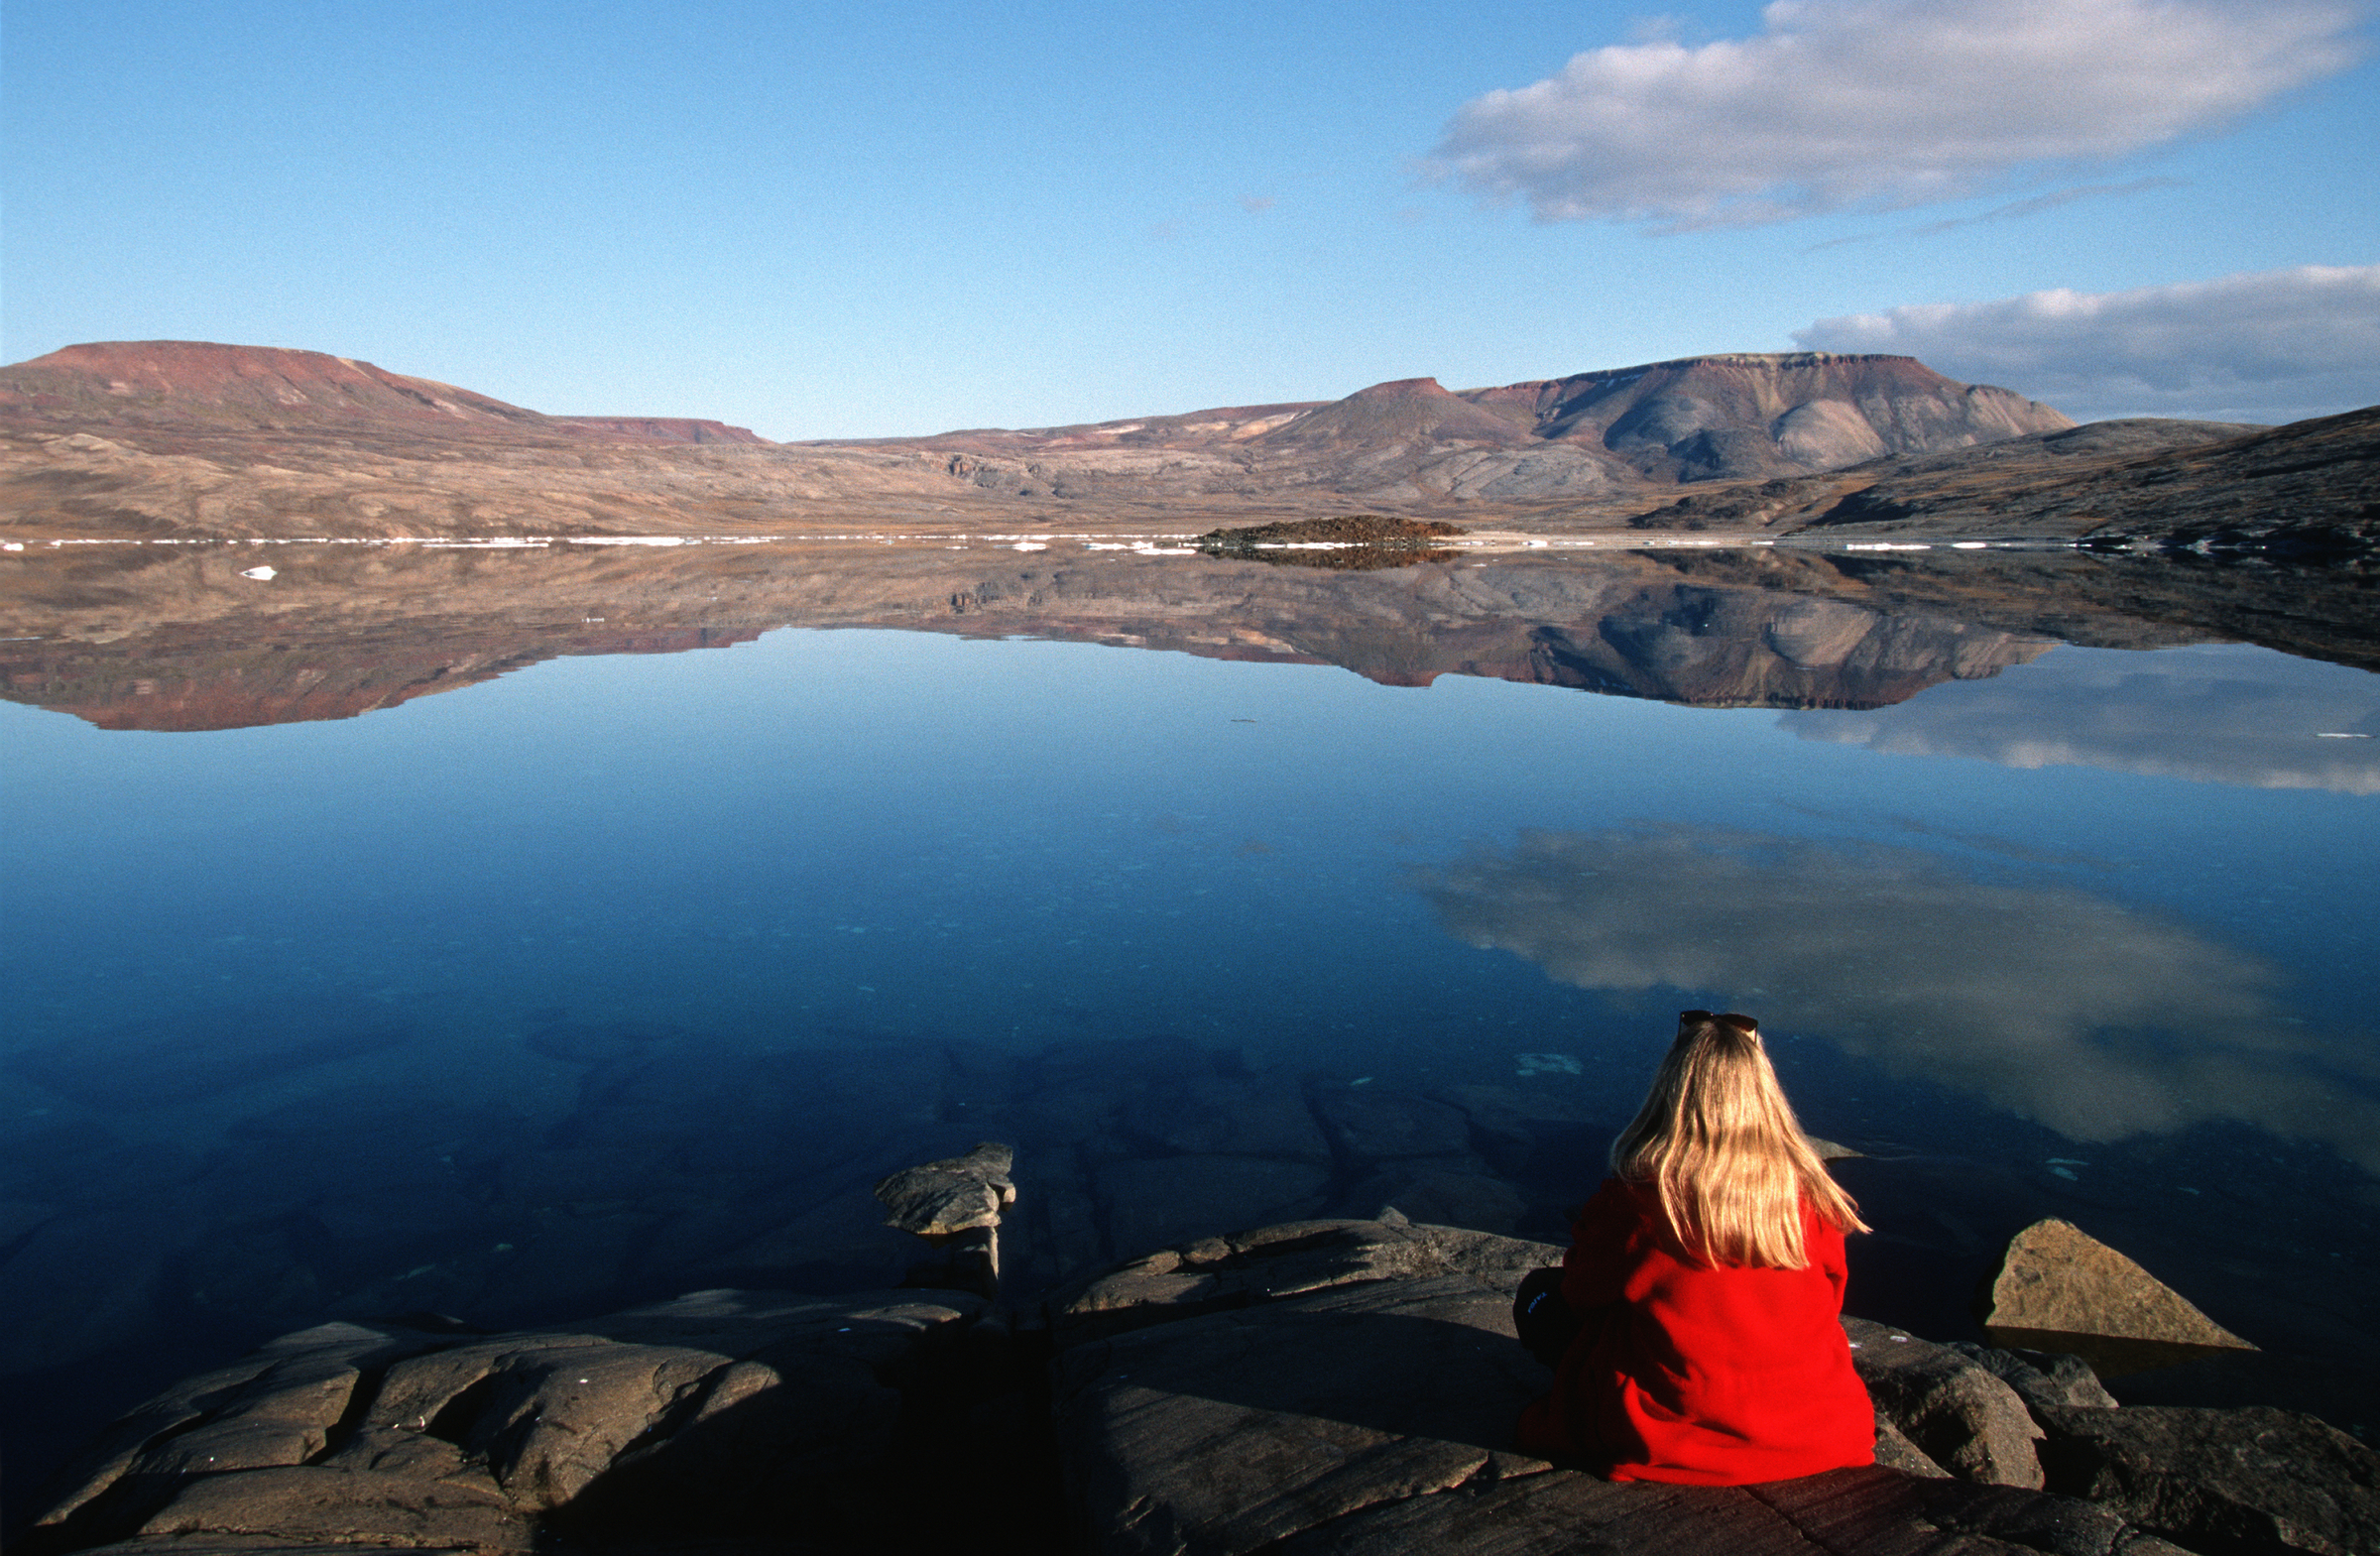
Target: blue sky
<point>896,218</point>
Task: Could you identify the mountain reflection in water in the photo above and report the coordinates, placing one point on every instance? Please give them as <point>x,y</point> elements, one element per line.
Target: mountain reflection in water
<point>2095,1018</point>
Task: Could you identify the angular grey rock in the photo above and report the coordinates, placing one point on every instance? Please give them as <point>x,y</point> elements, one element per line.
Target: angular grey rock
<point>2057,1277</point>
<point>955,1194</point>
<point>2253,1481</point>
<point>1894,1451</point>
<point>1952,1408</point>
<point>273,1407</point>
<point>1227,1431</point>
<point>2043,1380</point>
<point>296,1502</point>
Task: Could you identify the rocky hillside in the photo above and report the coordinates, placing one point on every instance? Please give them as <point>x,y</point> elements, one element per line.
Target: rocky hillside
<point>1697,419</point>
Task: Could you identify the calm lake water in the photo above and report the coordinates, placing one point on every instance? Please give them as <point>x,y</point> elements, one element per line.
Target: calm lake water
<point>619,976</point>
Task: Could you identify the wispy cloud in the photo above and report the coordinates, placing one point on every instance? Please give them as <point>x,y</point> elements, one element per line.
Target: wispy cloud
<point>2050,201</point>
<point>1881,103</point>
<point>2270,346</point>
<point>2099,1021</point>
<point>2013,210</point>
<point>1257,204</point>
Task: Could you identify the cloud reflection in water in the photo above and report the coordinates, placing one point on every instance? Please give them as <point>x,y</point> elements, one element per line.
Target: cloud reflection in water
<point>2221,715</point>
<point>2090,1017</point>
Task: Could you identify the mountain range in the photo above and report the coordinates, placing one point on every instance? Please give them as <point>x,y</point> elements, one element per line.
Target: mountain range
<point>185,439</point>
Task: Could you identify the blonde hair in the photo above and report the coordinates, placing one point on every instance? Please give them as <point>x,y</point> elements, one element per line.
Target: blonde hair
<point>1718,1141</point>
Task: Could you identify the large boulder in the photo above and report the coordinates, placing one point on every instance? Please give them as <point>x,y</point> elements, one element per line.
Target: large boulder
<point>2055,1279</point>
<point>1953,1408</point>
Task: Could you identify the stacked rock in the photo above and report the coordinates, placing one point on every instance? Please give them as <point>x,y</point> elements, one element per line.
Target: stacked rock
<point>955,1205</point>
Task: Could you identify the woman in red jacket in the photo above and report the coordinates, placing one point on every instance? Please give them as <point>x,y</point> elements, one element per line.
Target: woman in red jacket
<point>1707,1275</point>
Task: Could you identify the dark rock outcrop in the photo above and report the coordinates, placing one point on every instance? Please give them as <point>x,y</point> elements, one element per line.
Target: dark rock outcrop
<point>1327,1386</point>
<point>2309,490</point>
<point>2225,1482</point>
<point>1955,1410</point>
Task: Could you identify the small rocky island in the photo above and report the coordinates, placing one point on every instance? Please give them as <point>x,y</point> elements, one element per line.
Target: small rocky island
<point>1342,1384</point>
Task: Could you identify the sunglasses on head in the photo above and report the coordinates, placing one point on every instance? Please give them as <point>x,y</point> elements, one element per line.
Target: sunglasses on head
<point>1742,1024</point>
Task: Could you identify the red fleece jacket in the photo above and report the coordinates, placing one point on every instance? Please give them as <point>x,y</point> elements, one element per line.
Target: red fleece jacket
<point>1700,1374</point>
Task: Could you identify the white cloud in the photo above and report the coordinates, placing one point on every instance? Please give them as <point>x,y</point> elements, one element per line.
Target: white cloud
<point>2271,346</point>
<point>1887,103</point>
<point>2092,1017</point>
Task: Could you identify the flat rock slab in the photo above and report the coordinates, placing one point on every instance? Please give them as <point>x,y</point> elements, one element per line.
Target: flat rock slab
<point>1353,1386</point>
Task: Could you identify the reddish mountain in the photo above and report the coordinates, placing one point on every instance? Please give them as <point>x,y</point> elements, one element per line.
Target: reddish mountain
<point>197,384</point>
<point>183,383</point>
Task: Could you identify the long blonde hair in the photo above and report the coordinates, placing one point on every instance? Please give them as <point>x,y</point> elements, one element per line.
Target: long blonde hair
<point>1718,1141</point>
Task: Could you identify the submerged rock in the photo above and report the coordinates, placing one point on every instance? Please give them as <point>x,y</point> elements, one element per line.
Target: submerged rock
<point>2057,1278</point>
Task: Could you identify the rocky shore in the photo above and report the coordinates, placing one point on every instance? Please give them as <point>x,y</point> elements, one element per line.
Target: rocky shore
<point>1339,1384</point>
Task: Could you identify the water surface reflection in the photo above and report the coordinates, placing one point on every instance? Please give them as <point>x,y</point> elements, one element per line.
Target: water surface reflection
<point>2094,1017</point>
<point>2212,714</point>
